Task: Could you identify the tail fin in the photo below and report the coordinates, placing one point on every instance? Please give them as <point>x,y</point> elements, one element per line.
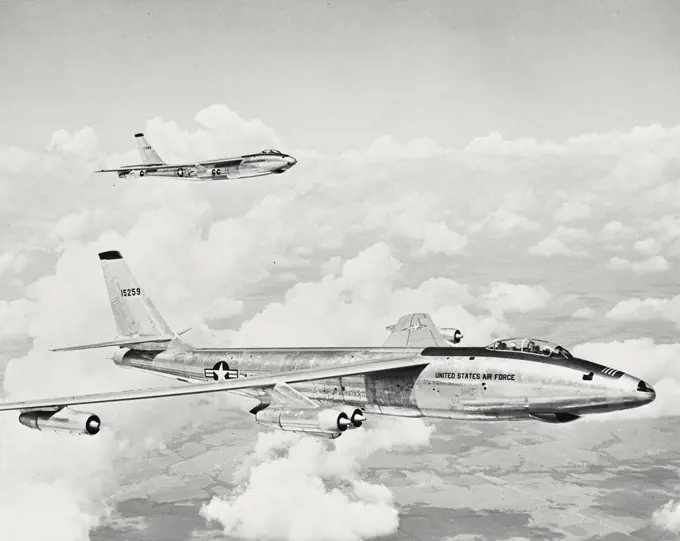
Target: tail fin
<point>149,155</point>
<point>414,330</point>
<point>139,323</point>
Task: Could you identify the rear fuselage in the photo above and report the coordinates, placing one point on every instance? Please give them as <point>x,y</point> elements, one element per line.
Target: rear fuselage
<point>452,383</point>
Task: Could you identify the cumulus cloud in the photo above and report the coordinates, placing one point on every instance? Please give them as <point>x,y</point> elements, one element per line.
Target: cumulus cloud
<point>350,510</point>
<point>585,312</point>
<point>668,516</point>
<point>649,246</point>
<point>524,147</point>
<point>550,246</point>
<point>616,231</point>
<point>83,142</point>
<point>386,148</point>
<point>652,264</point>
<point>412,217</point>
<point>15,317</point>
<point>224,307</point>
<point>564,241</point>
<point>503,298</point>
<point>638,309</point>
<point>505,222</point>
<point>571,211</point>
<point>666,228</point>
<point>14,262</point>
<point>353,306</point>
<point>71,227</point>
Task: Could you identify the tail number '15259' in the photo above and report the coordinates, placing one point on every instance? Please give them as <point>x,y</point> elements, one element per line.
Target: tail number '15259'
<point>131,292</point>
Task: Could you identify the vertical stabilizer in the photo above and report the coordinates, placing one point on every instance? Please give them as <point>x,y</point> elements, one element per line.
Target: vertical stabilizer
<point>139,323</point>
<point>148,154</point>
<point>134,312</point>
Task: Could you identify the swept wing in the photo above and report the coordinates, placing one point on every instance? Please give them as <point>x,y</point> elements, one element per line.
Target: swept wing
<point>310,374</point>
<point>153,168</point>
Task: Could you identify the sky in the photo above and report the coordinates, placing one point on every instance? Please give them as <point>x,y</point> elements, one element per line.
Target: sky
<point>332,75</point>
<point>509,168</point>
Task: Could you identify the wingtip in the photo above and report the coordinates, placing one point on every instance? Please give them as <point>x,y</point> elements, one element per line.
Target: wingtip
<point>140,134</point>
<point>111,254</point>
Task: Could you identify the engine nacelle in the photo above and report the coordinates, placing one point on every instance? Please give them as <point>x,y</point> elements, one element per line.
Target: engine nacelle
<point>555,418</point>
<point>318,421</point>
<point>355,415</point>
<point>65,420</point>
<point>453,336</point>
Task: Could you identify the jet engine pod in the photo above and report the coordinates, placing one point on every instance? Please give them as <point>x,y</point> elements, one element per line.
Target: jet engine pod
<point>317,421</point>
<point>65,420</point>
<point>554,418</point>
<point>453,336</point>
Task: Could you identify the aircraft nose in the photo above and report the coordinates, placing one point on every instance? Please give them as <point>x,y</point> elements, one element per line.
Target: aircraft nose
<point>290,161</point>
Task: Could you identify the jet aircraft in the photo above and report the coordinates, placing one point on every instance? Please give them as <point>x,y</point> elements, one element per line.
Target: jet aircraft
<point>420,371</point>
<point>267,162</point>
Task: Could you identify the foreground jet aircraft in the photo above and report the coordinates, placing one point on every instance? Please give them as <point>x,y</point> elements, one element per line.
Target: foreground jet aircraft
<point>267,162</point>
<point>325,391</point>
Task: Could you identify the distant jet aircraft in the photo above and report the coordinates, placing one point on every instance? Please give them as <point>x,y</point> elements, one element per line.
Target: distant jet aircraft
<point>325,391</point>
<point>267,162</point>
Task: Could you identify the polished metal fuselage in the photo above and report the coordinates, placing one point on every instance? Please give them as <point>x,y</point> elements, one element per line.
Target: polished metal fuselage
<point>452,383</point>
<point>255,165</point>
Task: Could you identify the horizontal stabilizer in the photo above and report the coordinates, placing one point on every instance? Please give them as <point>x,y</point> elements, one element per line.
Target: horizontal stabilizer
<point>414,330</point>
<point>124,342</point>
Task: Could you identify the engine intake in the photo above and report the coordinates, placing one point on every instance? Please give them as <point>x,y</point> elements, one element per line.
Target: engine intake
<point>321,422</point>
<point>453,336</point>
<point>65,420</point>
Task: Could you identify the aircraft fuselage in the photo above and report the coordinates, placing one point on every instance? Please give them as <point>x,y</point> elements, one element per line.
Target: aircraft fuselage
<point>452,383</point>
<point>251,165</point>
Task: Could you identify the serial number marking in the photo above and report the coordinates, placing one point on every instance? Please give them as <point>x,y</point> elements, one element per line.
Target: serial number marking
<point>131,292</point>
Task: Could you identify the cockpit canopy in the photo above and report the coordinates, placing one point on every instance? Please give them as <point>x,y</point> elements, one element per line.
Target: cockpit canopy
<point>272,151</point>
<point>530,345</point>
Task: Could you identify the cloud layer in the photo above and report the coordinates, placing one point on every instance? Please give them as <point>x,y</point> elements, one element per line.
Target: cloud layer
<point>313,489</point>
<point>496,237</point>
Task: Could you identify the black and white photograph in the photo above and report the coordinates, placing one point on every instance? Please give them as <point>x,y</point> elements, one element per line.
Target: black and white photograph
<point>340,270</point>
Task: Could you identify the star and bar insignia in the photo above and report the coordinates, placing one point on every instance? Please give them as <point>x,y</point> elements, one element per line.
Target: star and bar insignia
<point>220,371</point>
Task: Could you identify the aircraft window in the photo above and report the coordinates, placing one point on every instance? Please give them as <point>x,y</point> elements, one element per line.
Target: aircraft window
<point>530,345</point>
<point>272,151</point>
<point>644,388</point>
